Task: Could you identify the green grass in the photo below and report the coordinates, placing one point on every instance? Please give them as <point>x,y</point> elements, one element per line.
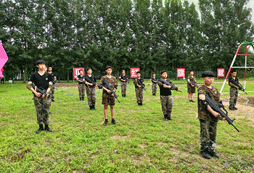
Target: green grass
<point>140,141</point>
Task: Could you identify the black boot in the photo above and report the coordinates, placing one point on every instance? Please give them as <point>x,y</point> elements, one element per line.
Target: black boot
<point>141,104</point>
<point>213,154</point>
<point>122,95</point>
<point>83,98</point>
<point>169,117</point>
<point>113,121</point>
<point>165,117</point>
<point>105,122</point>
<point>205,154</point>
<point>91,108</point>
<point>80,98</point>
<point>47,128</point>
<point>53,100</point>
<point>94,107</point>
<point>40,128</point>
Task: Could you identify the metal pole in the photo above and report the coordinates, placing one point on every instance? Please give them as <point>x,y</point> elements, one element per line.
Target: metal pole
<point>245,66</point>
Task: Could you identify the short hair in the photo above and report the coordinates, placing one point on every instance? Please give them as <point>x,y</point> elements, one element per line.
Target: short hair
<point>233,70</point>
<point>80,70</point>
<point>40,62</point>
<point>208,74</point>
<point>107,67</point>
<point>88,68</point>
<point>153,73</point>
<point>123,70</point>
<point>138,72</point>
<point>191,71</point>
<point>163,71</point>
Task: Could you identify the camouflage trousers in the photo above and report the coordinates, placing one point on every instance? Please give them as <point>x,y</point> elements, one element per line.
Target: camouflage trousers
<point>42,106</point>
<point>91,95</point>
<point>233,97</point>
<point>52,92</point>
<point>154,88</point>
<point>166,104</point>
<point>139,94</point>
<point>208,131</point>
<point>123,87</point>
<point>81,90</point>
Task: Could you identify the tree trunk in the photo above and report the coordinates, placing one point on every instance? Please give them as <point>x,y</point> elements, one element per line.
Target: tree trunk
<point>68,77</point>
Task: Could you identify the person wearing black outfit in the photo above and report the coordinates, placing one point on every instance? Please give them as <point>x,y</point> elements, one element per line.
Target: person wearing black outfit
<point>43,83</point>
<point>90,88</point>
<point>124,80</point>
<point>166,96</point>
<point>81,85</point>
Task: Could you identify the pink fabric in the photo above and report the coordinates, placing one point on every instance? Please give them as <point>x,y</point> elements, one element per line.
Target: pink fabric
<point>3,59</point>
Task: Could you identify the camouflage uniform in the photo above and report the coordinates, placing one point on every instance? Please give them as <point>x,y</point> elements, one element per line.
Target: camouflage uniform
<point>81,90</point>
<point>139,92</point>
<point>52,92</point>
<point>91,95</point>
<point>108,99</point>
<point>208,123</point>
<point>166,104</point>
<point>233,93</point>
<point>123,85</point>
<point>190,88</point>
<point>42,106</point>
<point>154,86</point>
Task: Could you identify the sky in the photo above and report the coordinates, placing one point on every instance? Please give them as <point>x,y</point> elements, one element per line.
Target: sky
<point>249,5</point>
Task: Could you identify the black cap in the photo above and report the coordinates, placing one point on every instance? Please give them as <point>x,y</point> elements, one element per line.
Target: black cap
<point>163,71</point>
<point>88,68</point>
<point>137,72</point>
<point>107,67</point>
<point>208,74</point>
<point>40,62</point>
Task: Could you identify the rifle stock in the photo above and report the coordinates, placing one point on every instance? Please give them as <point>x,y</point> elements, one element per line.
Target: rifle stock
<point>240,87</point>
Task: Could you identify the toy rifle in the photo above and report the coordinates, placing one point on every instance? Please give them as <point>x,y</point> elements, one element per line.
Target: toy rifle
<point>169,84</point>
<point>109,88</point>
<point>217,108</point>
<point>240,87</point>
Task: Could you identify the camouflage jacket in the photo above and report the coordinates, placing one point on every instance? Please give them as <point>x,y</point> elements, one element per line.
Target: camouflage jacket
<point>203,113</point>
<point>112,83</point>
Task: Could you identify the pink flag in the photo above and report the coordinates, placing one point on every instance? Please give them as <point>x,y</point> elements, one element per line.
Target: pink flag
<point>3,59</point>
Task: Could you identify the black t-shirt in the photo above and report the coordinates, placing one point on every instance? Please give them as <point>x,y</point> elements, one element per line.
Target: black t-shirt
<point>164,91</point>
<point>124,78</point>
<point>231,79</point>
<point>53,76</point>
<point>91,78</point>
<point>41,81</point>
<point>139,81</point>
<point>154,80</point>
<point>80,78</point>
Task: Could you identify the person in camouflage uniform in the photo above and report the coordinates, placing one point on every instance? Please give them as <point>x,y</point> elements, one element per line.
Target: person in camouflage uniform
<point>52,93</point>
<point>233,90</point>
<point>166,95</point>
<point>154,84</point>
<point>124,80</point>
<point>43,82</point>
<point>139,87</point>
<point>81,85</point>
<point>191,88</point>
<point>208,118</point>
<point>107,97</point>
<point>90,88</point>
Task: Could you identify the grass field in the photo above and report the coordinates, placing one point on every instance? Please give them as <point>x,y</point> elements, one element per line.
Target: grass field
<point>140,141</point>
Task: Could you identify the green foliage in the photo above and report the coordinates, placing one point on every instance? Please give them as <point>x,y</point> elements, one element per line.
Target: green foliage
<point>150,34</point>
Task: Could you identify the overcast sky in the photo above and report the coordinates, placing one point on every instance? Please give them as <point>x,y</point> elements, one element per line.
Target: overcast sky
<point>250,5</point>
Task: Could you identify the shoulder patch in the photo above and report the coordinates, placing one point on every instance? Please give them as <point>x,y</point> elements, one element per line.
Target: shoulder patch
<point>201,92</point>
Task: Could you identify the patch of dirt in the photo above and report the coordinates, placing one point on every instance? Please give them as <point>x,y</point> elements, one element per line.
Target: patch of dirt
<point>117,137</point>
<point>142,146</point>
